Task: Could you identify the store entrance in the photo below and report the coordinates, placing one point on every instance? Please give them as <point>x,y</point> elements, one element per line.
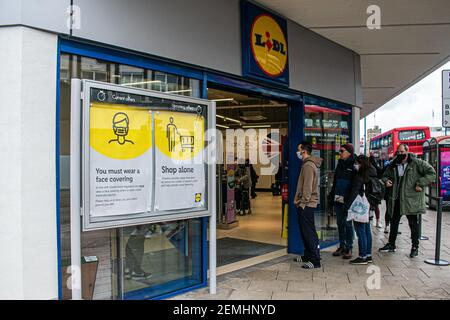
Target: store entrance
<point>251,224</point>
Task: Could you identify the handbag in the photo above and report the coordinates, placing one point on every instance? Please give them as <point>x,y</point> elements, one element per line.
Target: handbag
<point>359,210</point>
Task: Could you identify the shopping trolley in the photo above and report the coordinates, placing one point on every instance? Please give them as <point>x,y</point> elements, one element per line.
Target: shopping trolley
<point>187,142</point>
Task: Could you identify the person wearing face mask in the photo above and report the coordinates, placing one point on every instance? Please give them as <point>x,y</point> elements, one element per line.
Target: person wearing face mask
<point>306,199</point>
<point>407,178</point>
<point>360,186</point>
<point>338,196</point>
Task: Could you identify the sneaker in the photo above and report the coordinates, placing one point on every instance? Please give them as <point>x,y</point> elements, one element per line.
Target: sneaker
<point>369,259</point>
<point>127,274</point>
<point>347,254</point>
<point>310,265</point>
<point>358,260</point>
<point>140,275</point>
<point>301,259</point>
<point>338,252</point>
<point>414,252</point>
<point>386,229</point>
<point>387,248</point>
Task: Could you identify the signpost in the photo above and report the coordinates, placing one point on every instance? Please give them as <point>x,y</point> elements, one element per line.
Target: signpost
<point>446,98</point>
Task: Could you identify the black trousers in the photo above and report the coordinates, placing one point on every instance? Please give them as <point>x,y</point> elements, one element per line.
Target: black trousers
<point>134,252</point>
<point>309,234</point>
<point>413,221</point>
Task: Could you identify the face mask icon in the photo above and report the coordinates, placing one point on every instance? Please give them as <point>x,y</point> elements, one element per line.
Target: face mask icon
<point>120,131</point>
<point>120,124</point>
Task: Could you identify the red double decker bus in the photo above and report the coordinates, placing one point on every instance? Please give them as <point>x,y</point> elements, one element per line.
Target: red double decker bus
<point>384,145</point>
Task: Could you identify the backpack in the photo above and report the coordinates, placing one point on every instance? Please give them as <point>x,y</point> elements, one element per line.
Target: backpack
<point>375,191</point>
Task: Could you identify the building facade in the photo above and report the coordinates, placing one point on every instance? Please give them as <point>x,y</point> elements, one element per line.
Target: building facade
<point>181,47</point>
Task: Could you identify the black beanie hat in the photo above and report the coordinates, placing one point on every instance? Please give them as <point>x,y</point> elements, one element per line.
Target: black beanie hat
<point>349,147</point>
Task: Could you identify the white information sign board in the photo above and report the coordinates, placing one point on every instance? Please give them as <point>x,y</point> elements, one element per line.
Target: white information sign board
<point>180,167</point>
<point>120,159</point>
<point>142,156</point>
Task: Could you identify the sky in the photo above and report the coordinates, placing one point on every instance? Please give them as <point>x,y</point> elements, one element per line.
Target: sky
<point>414,106</point>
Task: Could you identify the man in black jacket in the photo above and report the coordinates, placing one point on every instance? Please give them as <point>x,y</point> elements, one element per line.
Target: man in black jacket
<point>340,192</point>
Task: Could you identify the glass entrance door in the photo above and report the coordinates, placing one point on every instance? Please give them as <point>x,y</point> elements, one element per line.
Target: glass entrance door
<point>327,129</point>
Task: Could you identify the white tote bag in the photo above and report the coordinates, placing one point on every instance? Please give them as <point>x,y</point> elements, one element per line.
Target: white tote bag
<point>359,210</point>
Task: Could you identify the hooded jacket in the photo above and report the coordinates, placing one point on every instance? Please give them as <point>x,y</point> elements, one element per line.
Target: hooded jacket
<point>307,186</point>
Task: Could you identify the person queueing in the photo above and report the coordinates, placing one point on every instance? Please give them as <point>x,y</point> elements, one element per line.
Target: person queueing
<point>407,178</point>
<point>306,199</point>
<point>340,191</point>
<point>376,206</point>
<point>360,185</point>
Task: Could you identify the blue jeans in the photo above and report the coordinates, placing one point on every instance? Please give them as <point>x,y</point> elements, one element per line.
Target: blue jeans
<point>345,228</point>
<point>364,238</point>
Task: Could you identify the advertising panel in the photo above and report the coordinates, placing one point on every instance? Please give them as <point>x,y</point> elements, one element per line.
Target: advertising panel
<point>445,174</point>
<point>264,45</point>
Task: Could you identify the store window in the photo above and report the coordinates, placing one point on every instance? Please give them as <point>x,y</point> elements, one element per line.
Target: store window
<point>327,129</point>
<point>138,262</point>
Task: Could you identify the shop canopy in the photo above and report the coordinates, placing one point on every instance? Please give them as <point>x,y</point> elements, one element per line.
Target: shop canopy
<point>411,43</point>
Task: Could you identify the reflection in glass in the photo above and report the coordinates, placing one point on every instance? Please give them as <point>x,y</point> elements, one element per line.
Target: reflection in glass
<point>330,131</point>
<point>161,258</point>
<point>158,254</point>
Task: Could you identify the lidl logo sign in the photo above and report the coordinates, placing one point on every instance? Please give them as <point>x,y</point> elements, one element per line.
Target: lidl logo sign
<point>265,45</point>
<point>269,46</point>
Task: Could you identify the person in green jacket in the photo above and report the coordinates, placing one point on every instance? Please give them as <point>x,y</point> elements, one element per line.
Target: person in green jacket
<point>405,179</point>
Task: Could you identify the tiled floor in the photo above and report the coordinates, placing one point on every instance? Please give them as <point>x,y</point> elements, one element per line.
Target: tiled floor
<point>263,225</point>
<point>392,276</point>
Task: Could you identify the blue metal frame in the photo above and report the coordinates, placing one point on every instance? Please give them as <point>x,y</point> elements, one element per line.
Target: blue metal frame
<point>133,59</point>
<point>192,284</point>
<point>110,55</point>
<point>237,84</point>
<point>296,135</point>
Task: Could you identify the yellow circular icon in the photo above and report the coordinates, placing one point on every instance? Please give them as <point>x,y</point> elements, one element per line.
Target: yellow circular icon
<point>118,131</point>
<point>269,45</point>
<point>179,135</point>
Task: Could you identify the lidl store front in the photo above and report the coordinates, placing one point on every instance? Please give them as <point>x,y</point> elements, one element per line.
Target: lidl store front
<point>239,48</point>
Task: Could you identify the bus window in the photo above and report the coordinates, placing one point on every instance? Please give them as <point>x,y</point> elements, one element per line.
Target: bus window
<point>411,135</point>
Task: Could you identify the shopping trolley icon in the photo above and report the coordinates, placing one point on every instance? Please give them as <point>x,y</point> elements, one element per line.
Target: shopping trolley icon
<point>187,142</point>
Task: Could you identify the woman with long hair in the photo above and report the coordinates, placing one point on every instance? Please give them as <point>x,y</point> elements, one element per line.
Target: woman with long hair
<point>360,182</point>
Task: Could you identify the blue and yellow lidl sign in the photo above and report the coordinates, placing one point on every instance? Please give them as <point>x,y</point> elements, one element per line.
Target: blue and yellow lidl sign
<point>265,45</point>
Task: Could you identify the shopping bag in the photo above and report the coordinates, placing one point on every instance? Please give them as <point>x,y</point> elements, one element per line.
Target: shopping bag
<point>359,210</point>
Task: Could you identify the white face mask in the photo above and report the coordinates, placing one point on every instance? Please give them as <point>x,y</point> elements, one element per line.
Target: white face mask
<point>299,155</point>
<point>357,166</point>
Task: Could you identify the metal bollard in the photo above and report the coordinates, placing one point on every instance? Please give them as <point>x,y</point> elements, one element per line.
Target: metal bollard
<point>437,261</point>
